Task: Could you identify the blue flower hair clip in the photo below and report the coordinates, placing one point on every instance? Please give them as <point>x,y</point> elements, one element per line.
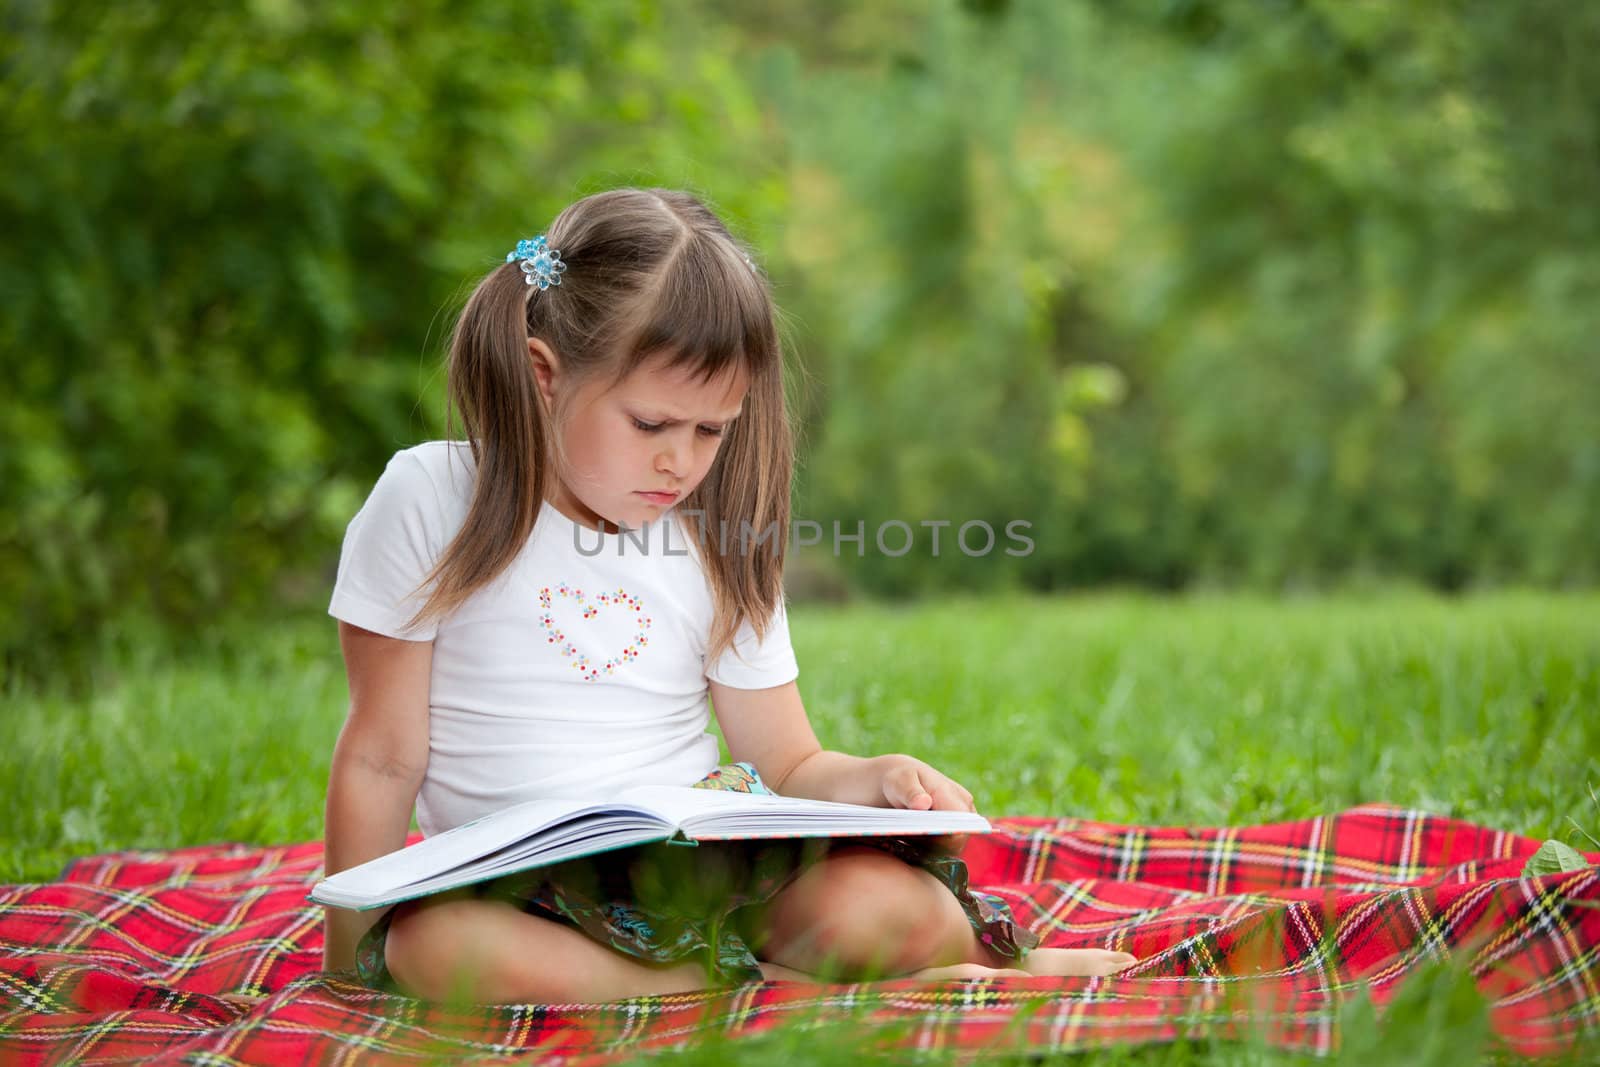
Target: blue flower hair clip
<point>541,264</point>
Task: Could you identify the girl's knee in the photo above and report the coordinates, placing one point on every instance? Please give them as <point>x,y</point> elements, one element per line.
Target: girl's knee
<point>863,910</point>
<point>454,948</point>
<point>420,953</point>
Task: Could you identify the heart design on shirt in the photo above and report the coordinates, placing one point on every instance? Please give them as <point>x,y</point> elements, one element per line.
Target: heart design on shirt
<point>620,600</point>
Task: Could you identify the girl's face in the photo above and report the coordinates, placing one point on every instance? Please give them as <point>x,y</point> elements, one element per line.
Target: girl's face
<point>655,432</point>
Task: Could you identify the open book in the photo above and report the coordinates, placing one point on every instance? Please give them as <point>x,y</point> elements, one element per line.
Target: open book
<point>546,831</point>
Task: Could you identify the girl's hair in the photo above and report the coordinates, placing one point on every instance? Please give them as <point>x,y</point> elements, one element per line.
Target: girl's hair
<point>649,272</point>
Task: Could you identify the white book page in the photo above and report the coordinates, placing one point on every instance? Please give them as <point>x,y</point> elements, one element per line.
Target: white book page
<point>538,852</point>
<point>711,814</point>
<point>462,844</point>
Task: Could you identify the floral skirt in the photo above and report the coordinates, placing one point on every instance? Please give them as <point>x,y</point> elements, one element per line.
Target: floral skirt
<point>666,903</point>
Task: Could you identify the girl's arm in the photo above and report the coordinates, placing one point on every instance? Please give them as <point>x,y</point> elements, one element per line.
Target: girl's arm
<point>378,764</point>
<point>769,728</point>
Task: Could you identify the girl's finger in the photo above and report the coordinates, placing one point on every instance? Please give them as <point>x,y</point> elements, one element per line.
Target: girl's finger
<point>947,797</point>
<point>948,794</point>
<point>903,788</point>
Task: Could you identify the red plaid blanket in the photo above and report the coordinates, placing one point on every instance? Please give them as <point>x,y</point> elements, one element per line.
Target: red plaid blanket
<point>211,954</point>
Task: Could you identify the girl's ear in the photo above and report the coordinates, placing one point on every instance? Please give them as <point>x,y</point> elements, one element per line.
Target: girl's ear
<point>546,370</point>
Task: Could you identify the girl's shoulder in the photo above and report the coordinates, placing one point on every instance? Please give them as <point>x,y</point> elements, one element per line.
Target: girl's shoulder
<point>441,469</point>
<point>440,458</point>
<point>397,537</point>
<point>424,491</point>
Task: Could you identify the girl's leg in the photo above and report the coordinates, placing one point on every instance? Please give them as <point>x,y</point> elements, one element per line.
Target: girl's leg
<point>858,910</point>
<point>863,912</point>
<point>456,947</point>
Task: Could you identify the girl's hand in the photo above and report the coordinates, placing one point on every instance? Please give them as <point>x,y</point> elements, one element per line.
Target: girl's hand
<point>910,783</point>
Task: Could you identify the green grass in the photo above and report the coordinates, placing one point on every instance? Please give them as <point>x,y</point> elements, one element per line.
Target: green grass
<point>1202,710</point>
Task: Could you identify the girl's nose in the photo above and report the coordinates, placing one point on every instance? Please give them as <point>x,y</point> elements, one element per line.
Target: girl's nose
<point>669,461</point>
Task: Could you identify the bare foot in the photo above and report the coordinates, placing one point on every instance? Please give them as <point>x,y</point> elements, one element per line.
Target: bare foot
<point>776,972</point>
<point>966,970</point>
<point>1076,962</point>
<point>1041,962</point>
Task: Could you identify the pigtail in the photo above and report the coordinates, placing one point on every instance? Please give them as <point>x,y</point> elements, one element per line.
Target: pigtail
<point>492,385</point>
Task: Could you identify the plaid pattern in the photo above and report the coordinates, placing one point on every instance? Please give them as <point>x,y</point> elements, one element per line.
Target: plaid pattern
<point>210,955</point>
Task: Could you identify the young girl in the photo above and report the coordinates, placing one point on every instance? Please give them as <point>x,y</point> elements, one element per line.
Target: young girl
<point>546,608</point>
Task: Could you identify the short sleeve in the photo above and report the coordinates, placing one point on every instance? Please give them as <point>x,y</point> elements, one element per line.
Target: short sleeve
<point>389,548</point>
<point>752,664</point>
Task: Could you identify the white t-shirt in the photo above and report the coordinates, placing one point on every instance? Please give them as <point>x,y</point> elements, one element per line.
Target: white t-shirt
<point>580,668</point>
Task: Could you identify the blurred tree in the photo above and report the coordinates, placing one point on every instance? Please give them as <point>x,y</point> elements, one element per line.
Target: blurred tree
<point>1204,290</point>
<point>229,229</point>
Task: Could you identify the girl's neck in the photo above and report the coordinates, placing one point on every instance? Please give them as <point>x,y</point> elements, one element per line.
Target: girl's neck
<point>570,509</point>
<point>588,523</point>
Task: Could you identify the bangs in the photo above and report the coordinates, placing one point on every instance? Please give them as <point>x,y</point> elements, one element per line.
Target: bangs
<point>710,313</point>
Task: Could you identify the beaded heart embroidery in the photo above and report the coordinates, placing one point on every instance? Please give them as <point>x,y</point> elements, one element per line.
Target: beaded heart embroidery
<point>590,670</point>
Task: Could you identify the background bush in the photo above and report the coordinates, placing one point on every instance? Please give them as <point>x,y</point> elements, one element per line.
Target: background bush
<point>1208,292</point>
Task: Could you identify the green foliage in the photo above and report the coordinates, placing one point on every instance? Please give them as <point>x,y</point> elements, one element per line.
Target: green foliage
<point>1437,1018</point>
<point>1554,857</point>
<point>234,234</point>
<point>1479,707</point>
<point>1217,292</point>
<point>1206,292</point>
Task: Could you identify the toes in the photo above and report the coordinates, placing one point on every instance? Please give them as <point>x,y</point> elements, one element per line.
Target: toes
<point>1077,962</point>
<point>1105,963</point>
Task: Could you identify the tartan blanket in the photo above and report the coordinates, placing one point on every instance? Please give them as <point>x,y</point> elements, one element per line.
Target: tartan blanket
<point>1265,933</point>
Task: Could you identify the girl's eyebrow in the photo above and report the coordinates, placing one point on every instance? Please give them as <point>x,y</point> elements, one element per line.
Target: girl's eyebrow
<point>671,419</point>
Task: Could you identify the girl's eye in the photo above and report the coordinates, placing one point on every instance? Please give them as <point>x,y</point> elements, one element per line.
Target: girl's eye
<point>652,427</point>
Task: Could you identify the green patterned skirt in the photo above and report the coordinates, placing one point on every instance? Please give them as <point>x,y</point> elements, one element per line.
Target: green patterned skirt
<point>663,903</point>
